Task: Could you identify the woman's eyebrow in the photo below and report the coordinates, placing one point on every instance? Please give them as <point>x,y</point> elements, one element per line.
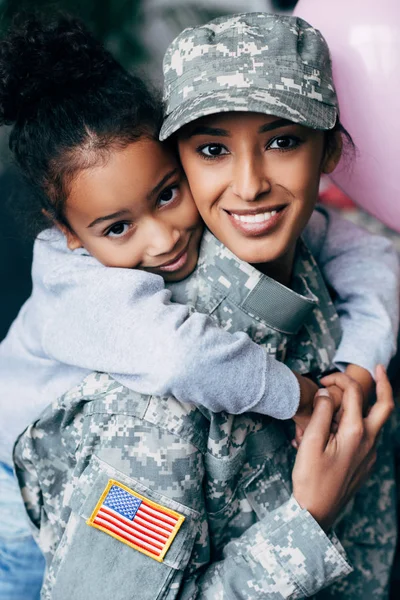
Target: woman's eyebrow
<point>204,130</point>
<point>156,189</point>
<point>216,131</point>
<point>275,125</point>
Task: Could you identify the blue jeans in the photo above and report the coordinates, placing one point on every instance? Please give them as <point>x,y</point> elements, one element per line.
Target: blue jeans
<point>21,562</point>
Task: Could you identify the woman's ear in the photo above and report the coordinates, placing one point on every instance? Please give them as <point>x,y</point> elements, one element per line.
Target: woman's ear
<point>333,152</point>
<point>73,242</point>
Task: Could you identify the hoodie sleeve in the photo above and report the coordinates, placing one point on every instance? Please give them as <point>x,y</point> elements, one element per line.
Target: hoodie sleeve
<point>362,269</point>
<point>121,321</point>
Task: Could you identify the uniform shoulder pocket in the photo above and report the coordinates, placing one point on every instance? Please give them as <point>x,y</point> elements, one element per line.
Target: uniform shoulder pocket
<point>122,540</point>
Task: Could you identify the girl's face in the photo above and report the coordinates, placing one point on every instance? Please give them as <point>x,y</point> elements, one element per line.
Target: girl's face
<point>254,179</point>
<point>136,211</point>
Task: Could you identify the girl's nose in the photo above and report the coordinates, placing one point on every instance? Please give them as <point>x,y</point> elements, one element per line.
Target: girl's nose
<point>250,179</point>
<point>162,237</point>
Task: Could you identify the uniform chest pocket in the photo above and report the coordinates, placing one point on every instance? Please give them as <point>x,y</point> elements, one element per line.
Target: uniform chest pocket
<point>123,540</point>
<point>241,494</point>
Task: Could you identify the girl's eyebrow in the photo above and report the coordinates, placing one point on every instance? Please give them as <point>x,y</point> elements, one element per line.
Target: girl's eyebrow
<point>124,213</point>
<point>116,215</point>
<point>162,182</point>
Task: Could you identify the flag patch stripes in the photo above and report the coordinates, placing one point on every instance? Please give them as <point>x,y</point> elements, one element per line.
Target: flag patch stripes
<point>135,520</point>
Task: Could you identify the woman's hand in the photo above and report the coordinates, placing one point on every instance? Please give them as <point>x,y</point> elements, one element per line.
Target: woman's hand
<point>308,391</point>
<point>330,467</point>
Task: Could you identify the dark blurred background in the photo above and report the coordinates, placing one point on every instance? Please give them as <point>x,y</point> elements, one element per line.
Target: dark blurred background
<point>137,32</point>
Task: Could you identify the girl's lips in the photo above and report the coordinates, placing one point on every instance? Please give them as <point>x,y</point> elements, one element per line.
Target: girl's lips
<point>257,228</point>
<point>177,264</point>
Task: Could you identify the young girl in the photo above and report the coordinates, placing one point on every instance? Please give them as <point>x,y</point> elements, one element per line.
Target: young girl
<point>209,468</point>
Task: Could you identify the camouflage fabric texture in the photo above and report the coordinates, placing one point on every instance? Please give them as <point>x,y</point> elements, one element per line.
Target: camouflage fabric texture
<point>244,535</point>
<point>258,62</point>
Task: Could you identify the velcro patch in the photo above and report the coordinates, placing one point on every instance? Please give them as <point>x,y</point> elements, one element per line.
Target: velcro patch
<point>136,521</point>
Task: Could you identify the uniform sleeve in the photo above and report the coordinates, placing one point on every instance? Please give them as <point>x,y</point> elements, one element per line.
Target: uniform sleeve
<point>122,322</point>
<point>285,555</point>
<point>25,470</point>
<point>363,271</point>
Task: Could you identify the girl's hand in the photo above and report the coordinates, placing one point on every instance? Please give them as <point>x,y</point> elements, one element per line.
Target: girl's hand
<point>308,389</point>
<point>364,378</point>
<point>330,467</point>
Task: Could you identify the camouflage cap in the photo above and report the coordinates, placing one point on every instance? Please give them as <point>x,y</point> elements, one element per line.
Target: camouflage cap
<point>257,62</point>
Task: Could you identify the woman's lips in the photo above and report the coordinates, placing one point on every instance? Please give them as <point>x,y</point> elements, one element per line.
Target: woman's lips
<point>255,223</point>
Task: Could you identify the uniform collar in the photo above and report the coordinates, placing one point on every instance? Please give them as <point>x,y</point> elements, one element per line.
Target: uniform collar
<point>280,307</point>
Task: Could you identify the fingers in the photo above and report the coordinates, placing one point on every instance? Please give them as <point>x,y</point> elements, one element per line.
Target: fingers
<point>317,434</point>
<point>299,434</point>
<point>336,394</point>
<point>384,405</point>
<point>352,398</point>
<point>352,403</point>
<point>350,429</point>
<point>383,387</point>
<point>340,379</point>
<point>298,437</point>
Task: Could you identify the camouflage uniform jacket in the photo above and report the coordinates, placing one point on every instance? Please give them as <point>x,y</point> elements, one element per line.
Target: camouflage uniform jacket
<point>243,535</point>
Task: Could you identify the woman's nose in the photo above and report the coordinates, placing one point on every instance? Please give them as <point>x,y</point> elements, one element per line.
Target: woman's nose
<point>250,179</point>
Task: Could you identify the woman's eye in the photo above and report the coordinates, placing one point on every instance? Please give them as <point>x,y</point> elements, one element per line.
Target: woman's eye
<point>213,150</point>
<point>285,142</point>
<point>168,195</point>
<point>117,230</point>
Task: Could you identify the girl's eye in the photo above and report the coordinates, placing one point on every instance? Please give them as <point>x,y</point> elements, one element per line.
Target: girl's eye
<point>168,195</point>
<point>212,150</point>
<point>284,142</point>
<point>117,230</point>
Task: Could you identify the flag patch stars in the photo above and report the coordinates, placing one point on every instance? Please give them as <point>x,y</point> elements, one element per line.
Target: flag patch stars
<point>136,521</point>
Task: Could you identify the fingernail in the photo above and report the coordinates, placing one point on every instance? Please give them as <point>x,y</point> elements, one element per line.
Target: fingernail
<point>323,392</point>
<point>295,444</point>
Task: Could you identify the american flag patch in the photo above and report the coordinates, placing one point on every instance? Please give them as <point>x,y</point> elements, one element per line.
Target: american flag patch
<point>135,520</point>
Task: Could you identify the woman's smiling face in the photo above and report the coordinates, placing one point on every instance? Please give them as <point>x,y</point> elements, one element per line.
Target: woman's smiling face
<point>254,179</point>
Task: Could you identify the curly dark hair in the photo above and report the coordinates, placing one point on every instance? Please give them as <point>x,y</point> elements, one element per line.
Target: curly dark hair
<point>70,104</point>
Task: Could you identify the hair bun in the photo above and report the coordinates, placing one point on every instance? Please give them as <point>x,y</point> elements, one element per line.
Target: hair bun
<point>43,60</point>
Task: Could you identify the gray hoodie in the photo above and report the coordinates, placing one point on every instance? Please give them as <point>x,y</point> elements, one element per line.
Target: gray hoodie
<point>83,316</point>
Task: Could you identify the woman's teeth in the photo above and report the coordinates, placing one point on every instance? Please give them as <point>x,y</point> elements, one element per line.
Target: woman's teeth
<point>258,218</point>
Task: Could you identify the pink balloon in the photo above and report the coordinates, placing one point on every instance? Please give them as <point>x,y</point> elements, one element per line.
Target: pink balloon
<point>364,40</point>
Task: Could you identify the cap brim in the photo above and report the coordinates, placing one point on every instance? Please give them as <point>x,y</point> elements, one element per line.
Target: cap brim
<point>307,111</point>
